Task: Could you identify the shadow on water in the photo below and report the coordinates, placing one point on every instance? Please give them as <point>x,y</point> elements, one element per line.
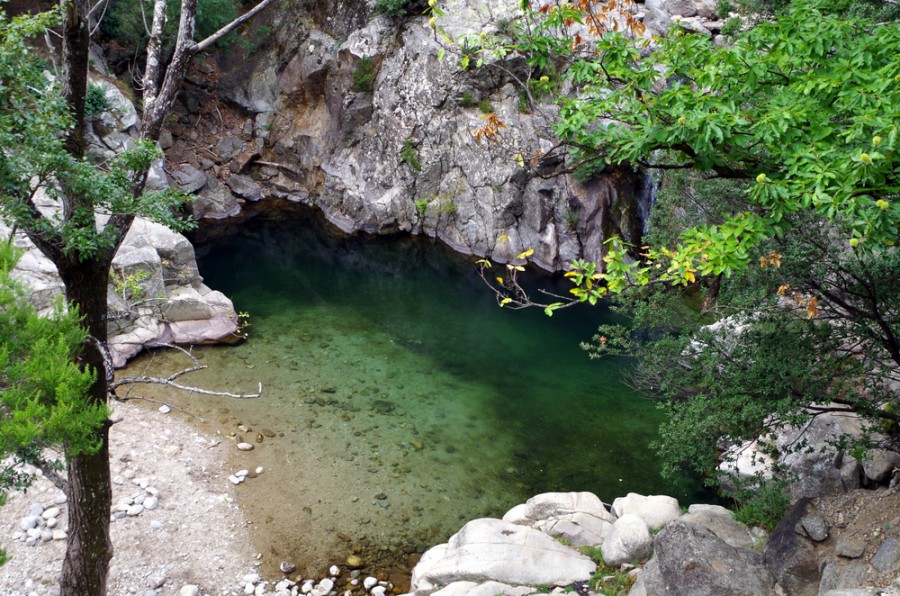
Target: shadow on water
<point>570,422</point>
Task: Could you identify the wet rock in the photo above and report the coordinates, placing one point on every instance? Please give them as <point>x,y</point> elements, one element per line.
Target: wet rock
<point>417,444</point>
<point>353,561</point>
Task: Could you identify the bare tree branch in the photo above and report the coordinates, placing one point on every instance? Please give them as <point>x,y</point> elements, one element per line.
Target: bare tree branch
<point>154,51</point>
<point>232,26</point>
<point>170,380</point>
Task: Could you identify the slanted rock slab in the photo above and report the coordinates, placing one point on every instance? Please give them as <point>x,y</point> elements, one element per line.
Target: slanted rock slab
<point>484,589</point>
<point>492,549</point>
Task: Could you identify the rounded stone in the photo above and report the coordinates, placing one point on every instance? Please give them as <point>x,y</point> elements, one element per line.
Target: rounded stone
<point>354,562</point>
<point>245,446</point>
<point>150,503</point>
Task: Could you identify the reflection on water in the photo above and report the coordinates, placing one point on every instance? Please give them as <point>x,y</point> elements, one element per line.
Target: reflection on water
<point>399,399</point>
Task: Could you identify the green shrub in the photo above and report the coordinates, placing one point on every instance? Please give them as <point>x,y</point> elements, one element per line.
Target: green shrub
<point>466,101</point>
<point>723,9</point>
<point>732,27</point>
<point>421,206</point>
<point>364,76</point>
<point>95,101</point>
<point>410,156</point>
<point>762,503</point>
<point>396,9</point>
<point>485,106</point>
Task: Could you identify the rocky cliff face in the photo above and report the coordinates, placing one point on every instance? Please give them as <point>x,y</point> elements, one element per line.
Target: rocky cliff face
<point>355,114</point>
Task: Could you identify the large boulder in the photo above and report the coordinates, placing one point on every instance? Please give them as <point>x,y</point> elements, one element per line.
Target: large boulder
<point>628,541</point>
<point>655,510</point>
<point>694,561</point>
<point>553,505</point>
<point>791,557</point>
<point>492,549</point>
<point>577,517</point>
<point>720,521</point>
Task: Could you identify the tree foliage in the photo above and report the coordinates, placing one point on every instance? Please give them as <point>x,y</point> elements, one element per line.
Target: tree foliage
<point>42,389</point>
<point>769,288</point>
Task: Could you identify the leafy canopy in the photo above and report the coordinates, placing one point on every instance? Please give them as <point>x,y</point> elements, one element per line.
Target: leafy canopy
<point>806,106</point>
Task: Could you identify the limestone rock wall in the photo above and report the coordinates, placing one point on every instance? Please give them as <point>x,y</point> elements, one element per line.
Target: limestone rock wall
<point>361,119</point>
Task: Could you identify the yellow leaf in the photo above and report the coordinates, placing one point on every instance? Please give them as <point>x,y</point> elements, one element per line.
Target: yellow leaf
<point>570,274</point>
<point>689,276</point>
<point>812,308</point>
<point>499,279</point>
<point>525,254</point>
<point>505,301</point>
<point>520,268</point>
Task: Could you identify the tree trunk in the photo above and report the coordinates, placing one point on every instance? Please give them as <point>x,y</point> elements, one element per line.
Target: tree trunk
<point>89,548</point>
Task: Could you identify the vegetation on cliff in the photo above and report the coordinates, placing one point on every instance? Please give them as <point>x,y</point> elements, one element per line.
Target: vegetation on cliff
<point>778,218</point>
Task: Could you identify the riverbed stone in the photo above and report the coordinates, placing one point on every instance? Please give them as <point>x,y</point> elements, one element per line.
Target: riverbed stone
<point>655,510</point>
<point>492,549</point>
<point>628,541</point>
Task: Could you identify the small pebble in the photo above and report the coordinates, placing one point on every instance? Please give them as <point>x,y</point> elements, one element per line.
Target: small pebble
<point>369,583</point>
<point>245,446</point>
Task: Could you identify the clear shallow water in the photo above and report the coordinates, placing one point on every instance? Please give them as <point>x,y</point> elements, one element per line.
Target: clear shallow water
<point>402,399</point>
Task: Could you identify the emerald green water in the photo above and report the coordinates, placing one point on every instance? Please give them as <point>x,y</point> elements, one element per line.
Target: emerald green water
<point>405,401</point>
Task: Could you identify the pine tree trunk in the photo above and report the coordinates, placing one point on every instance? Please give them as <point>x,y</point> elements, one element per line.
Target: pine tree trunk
<point>89,548</point>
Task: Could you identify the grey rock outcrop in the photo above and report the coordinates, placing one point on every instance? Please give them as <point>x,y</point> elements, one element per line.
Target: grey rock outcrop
<point>692,560</point>
<point>791,557</point>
